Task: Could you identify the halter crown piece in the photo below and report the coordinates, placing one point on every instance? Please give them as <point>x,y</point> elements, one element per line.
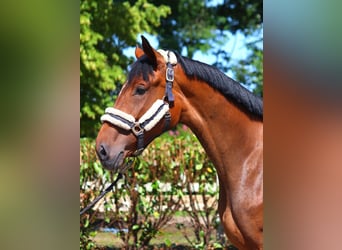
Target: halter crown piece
<point>158,110</point>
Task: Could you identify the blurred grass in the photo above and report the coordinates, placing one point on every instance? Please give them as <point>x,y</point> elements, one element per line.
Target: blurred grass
<point>168,233</point>
<point>105,239</point>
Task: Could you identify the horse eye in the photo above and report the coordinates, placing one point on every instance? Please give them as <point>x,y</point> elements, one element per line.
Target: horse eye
<point>140,90</point>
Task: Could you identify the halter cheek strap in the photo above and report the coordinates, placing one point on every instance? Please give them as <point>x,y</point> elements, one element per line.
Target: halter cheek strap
<point>171,60</point>
<point>158,110</point>
<point>169,82</point>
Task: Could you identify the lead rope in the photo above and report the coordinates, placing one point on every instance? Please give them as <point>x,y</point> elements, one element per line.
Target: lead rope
<point>101,195</point>
<point>109,188</point>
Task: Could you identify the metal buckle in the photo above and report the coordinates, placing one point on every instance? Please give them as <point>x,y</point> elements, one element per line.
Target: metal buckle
<point>136,129</point>
<point>170,75</point>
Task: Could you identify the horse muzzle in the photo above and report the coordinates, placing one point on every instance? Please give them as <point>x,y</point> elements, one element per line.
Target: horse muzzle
<point>110,159</point>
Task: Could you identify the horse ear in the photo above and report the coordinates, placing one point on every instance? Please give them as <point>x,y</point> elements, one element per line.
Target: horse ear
<point>149,51</point>
<point>138,52</point>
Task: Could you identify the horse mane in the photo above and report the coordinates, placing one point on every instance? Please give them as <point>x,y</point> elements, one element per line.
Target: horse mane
<point>231,89</point>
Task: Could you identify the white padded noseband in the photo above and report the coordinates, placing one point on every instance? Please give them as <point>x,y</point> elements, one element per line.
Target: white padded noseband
<point>146,122</point>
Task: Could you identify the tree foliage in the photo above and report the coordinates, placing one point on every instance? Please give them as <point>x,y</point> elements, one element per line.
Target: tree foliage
<point>250,70</point>
<point>200,25</point>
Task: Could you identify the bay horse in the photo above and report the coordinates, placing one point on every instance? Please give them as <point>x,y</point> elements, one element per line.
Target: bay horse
<point>164,89</point>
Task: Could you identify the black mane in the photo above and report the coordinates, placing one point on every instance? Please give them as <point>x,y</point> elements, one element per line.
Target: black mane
<point>231,89</point>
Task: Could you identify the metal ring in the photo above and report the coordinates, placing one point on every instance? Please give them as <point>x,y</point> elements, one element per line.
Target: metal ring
<point>137,129</point>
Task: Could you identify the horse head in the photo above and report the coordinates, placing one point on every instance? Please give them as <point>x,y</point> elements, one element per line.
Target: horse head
<point>144,109</point>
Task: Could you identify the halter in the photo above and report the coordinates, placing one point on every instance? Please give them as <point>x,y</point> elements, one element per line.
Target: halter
<point>158,110</point>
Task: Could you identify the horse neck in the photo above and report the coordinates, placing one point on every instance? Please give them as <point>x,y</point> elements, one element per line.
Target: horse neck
<point>227,133</point>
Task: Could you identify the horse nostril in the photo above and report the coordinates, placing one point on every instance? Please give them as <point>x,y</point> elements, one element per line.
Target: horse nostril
<point>102,152</point>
